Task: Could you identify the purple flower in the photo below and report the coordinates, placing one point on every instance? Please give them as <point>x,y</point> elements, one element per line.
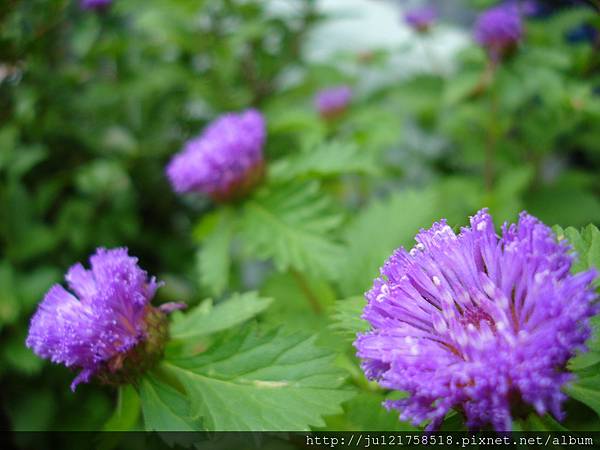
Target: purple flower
<point>499,30</point>
<point>95,4</point>
<point>478,322</point>
<point>332,102</point>
<point>225,161</point>
<point>421,19</point>
<point>104,323</point>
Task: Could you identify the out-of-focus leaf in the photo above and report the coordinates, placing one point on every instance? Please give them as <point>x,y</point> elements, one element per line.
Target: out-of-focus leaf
<point>214,256</point>
<point>327,159</point>
<point>9,302</point>
<point>347,314</point>
<point>378,230</point>
<point>293,224</point>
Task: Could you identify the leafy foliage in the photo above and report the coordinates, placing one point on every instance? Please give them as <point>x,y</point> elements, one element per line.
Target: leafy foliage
<point>586,245</point>
<point>207,319</point>
<point>293,224</point>
<point>325,160</point>
<point>214,259</point>
<point>249,381</point>
<point>382,227</point>
<point>347,314</point>
<point>93,105</point>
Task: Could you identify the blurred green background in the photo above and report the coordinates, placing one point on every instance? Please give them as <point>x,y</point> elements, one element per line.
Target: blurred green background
<point>93,105</point>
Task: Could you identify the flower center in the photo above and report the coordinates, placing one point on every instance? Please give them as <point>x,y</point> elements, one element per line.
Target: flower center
<point>474,316</point>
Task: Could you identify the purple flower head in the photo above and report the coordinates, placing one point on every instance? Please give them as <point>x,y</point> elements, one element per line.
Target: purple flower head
<point>478,322</point>
<point>104,318</point>
<point>332,102</point>
<point>499,30</point>
<point>97,5</point>
<point>421,19</point>
<point>225,161</point>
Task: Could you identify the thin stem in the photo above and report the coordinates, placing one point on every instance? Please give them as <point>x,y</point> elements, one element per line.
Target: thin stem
<point>313,300</point>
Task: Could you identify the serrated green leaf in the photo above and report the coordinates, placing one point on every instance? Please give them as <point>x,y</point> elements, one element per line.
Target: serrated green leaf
<point>586,245</point>
<point>587,391</point>
<point>378,230</point>
<point>206,318</point>
<point>213,257</point>
<point>292,224</point>
<point>347,314</point>
<point>164,408</point>
<point>324,160</point>
<point>251,382</point>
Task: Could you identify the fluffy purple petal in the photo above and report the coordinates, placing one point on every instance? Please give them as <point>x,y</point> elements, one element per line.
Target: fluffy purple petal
<point>224,160</point>
<point>477,322</point>
<point>101,319</point>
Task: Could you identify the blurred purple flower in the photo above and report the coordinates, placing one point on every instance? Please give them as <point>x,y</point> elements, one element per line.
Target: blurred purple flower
<point>477,322</point>
<point>225,161</point>
<point>95,4</point>
<point>332,102</point>
<point>499,30</point>
<point>102,321</point>
<point>421,19</point>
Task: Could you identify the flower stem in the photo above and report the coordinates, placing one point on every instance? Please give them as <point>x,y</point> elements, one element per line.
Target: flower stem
<point>303,284</point>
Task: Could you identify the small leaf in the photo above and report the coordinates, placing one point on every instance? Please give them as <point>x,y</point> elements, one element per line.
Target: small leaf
<point>213,257</point>
<point>293,224</point>
<point>347,316</point>
<point>249,382</point>
<point>587,391</point>
<point>586,245</point>
<point>206,319</point>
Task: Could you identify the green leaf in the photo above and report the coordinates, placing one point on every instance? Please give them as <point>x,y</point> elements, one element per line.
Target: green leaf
<point>206,318</point>
<point>252,382</point>
<point>585,361</point>
<point>127,412</point>
<point>533,422</point>
<point>586,245</point>
<point>347,314</point>
<point>164,408</point>
<point>213,257</point>
<point>378,230</point>
<point>587,391</point>
<point>365,412</point>
<point>326,159</point>
<point>299,302</point>
<point>292,224</point>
